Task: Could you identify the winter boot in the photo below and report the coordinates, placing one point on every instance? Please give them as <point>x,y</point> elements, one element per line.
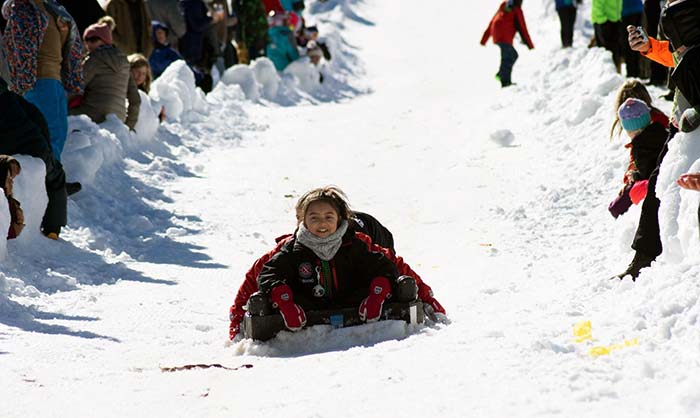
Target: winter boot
<point>51,232</point>
<point>73,188</point>
<point>639,262</point>
<point>690,119</point>
<point>406,289</point>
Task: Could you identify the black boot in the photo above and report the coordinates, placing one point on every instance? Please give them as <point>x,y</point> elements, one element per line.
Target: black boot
<point>73,188</point>
<point>639,262</point>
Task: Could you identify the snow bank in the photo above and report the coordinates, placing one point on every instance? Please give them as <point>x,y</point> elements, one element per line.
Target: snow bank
<point>242,76</point>
<point>175,89</point>
<point>678,211</point>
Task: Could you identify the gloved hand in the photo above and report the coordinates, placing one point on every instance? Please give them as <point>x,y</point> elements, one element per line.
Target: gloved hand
<point>235,326</point>
<point>282,299</point>
<point>432,308</point>
<point>371,307</point>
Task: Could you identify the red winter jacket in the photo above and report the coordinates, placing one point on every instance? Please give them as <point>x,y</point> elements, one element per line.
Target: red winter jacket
<point>505,24</point>
<point>250,284</point>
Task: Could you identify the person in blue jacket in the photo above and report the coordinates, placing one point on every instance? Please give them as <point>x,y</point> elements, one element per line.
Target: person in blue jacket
<point>632,14</point>
<point>163,54</point>
<point>282,49</point>
<point>566,9</point>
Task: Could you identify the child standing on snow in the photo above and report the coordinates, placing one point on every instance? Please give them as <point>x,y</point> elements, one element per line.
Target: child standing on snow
<point>505,23</point>
<point>647,139</point>
<point>325,265</point>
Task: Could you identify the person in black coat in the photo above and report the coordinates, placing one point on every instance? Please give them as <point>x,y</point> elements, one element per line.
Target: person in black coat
<point>25,131</point>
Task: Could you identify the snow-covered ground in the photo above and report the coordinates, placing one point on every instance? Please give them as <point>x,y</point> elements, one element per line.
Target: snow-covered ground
<point>496,197</point>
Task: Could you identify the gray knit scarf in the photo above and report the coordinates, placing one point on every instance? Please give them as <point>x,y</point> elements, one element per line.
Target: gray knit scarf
<point>324,248</point>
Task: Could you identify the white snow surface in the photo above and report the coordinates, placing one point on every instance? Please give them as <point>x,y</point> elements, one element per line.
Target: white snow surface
<point>497,197</point>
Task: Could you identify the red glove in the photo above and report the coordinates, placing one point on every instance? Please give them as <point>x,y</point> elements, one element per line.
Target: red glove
<point>282,299</point>
<point>235,327</point>
<point>639,191</point>
<point>371,307</point>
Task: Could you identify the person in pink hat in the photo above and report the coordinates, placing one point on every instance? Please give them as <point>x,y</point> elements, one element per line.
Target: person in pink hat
<point>108,80</point>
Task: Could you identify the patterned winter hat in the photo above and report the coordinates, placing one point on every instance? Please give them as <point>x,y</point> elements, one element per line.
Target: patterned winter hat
<point>634,114</point>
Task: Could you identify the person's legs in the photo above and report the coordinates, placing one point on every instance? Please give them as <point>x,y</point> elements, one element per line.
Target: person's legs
<point>647,240</point>
<point>56,214</point>
<point>608,36</point>
<point>49,96</point>
<point>508,57</point>
<point>567,18</point>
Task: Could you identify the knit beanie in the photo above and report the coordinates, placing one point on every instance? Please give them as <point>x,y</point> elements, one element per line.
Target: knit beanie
<point>99,30</point>
<point>634,114</point>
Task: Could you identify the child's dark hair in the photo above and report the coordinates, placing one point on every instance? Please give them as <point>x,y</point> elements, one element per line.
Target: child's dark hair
<point>329,194</point>
<point>630,89</point>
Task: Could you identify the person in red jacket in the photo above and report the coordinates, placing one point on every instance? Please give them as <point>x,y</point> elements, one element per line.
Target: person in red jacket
<point>432,307</point>
<point>505,23</point>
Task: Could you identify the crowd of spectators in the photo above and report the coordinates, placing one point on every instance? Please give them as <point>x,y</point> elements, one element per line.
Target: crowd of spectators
<point>80,57</point>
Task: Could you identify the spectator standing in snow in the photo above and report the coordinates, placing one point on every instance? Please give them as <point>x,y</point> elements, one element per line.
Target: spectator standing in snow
<point>505,23</point>
<point>566,9</point>
<point>141,73</point>
<point>167,12</point>
<point>25,131</point>
<point>163,54</point>
<point>44,52</point>
<point>647,139</point>
<point>282,49</point>
<point>132,33</point>
<point>606,16</point>
<point>326,265</point>
<point>198,20</point>
<point>108,81</point>
<point>632,15</point>
<point>682,26</point>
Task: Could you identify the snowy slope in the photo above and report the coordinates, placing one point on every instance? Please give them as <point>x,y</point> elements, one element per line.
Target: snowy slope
<point>496,197</point>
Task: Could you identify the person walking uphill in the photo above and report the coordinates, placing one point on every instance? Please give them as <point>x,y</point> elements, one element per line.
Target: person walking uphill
<point>505,23</point>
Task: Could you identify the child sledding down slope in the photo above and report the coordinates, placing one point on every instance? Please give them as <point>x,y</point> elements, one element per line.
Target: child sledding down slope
<point>505,23</point>
<point>295,273</point>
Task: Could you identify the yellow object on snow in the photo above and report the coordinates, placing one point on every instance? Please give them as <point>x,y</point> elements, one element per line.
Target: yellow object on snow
<point>583,331</point>
<point>605,350</point>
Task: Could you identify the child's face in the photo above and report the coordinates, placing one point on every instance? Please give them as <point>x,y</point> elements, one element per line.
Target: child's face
<point>139,74</point>
<point>161,36</point>
<point>321,219</point>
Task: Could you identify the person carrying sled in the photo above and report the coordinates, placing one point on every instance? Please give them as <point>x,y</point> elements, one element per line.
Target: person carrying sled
<point>505,23</point>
